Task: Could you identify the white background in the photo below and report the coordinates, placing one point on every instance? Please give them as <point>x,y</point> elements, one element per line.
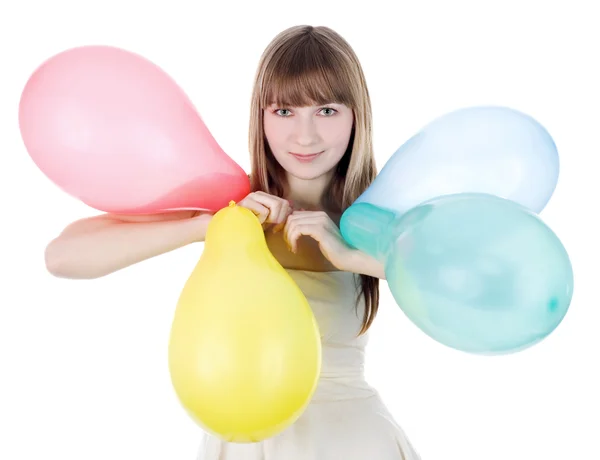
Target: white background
<point>83,364</point>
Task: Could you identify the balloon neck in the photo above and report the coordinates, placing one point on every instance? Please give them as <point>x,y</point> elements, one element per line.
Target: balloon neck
<point>234,230</point>
<point>369,228</point>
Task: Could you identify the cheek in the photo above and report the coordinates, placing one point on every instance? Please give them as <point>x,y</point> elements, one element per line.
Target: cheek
<point>338,134</point>
<point>275,134</point>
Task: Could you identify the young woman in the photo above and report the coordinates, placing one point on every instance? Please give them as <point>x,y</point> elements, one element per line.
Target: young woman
<point>312,156</point>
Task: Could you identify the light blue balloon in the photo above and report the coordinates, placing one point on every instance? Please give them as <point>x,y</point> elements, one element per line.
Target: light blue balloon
<point>475,272</point>
<point>494,150</point>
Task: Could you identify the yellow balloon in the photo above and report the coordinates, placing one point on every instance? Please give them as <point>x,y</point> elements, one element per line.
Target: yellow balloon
<point>245,348</point>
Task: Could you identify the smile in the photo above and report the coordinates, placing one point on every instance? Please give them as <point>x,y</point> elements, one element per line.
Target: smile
<point>305,158</point>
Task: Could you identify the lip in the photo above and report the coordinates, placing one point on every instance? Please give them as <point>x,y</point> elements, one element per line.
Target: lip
<point>305,158</point>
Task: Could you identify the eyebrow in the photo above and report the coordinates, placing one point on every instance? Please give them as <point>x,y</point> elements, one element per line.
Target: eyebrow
<point>290,105</point>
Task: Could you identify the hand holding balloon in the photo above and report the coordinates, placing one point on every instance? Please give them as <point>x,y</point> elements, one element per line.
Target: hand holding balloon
<point>475,272</point>
<point>271,210</point>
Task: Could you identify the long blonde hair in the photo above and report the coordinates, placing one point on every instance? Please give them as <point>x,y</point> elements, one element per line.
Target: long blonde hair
<point>306,65</point>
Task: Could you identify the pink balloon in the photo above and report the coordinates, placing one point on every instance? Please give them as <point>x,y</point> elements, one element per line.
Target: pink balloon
<point>112,129</point>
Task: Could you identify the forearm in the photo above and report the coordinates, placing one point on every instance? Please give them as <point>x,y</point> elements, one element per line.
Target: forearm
<point>363,264</point>
<point>118,245</point>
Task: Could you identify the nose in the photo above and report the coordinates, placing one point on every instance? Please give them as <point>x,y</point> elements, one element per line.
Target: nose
<point>306,132</point>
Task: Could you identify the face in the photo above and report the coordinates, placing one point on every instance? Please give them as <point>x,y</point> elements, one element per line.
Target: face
<point>308,142</point>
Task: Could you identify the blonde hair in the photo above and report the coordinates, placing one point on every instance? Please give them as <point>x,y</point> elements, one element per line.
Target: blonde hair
<point>302,66</point>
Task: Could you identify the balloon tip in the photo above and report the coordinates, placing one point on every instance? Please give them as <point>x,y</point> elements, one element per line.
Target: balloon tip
<point>231,204</point>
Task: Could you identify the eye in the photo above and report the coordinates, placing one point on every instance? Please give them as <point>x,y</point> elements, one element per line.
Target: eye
<point>277,111</point>
<point>331,111</point>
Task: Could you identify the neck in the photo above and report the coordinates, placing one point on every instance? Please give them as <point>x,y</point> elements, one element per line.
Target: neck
<point>307,193</point>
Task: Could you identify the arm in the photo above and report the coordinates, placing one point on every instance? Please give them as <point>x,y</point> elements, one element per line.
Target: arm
<point>100,245</point>
<point>364,264</point>
<point>319,226</point>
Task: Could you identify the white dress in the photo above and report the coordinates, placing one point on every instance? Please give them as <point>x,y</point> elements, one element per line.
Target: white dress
<point>346,419</point>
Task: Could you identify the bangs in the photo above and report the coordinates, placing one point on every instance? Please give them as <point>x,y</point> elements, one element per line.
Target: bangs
<point>307,75</point>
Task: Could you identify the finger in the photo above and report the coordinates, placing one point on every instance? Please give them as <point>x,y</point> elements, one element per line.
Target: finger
<point>307,229</point>
<point>286,212</point>
<point>304,212</point>
<point>290,235</point>
<point>262,204</point>
<point>308,226</point>
<point>309,218</point>
<point>279,208</point>
<point>287,229</point>
<point>262,212</point>
<point>278,227</point>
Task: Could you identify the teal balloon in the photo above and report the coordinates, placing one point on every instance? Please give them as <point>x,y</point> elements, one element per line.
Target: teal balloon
<point>476,272</point>
<point>494,150</point>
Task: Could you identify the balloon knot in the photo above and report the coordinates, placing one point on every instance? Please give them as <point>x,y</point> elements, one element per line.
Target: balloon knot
<point>231,204</point>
